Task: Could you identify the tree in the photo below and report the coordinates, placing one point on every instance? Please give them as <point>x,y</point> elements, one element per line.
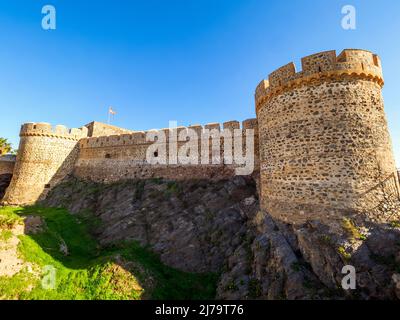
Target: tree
<point>5,146</point>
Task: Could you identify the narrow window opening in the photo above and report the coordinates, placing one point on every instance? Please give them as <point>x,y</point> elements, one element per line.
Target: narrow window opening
<point>108,156</point>
<point>156,154</point>
<point>47,186</point>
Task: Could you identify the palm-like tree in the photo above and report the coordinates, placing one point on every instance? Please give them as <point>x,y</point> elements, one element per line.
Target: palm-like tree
<point>5,146</point>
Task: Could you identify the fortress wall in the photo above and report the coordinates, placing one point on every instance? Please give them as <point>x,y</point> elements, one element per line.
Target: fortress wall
<point>325,141</point>
<point>45,156</point>
<point>97,129</point>
<point>6,165</point>
<point>116,157</point>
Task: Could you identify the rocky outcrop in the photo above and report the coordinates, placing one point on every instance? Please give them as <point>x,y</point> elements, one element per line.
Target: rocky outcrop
<point>192,225</point>
<point>200,226</point>
<point>307,261</point>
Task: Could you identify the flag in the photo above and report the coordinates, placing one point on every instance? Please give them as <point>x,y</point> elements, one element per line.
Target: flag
<point>111,111</point>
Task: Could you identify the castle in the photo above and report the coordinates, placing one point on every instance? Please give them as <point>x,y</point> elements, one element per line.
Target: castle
<point>321,144</point>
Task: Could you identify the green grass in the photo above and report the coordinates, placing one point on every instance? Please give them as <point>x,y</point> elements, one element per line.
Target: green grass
<point>343,253</point>
<point>124,271</point>
<point>352,230</point>
<point>173,188</point>
<point>8,217</point>
<point>395,224</point>
<point>5,235</point>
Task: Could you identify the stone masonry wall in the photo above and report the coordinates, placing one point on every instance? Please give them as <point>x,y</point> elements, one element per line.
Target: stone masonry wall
<point>321,145</point>
<point>6,165</point>
<point>45,156</point>
<point>97,129</point>
<point>325,144</point>
<point>112,158</point>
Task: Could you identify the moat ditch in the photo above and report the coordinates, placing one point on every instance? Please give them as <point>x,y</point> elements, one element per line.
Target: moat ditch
<point>198,226</point>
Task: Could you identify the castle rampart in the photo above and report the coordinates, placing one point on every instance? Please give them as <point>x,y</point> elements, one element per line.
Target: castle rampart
<point>7,164</point>
<point>116,157</point>
<point>324,136</point>
<point>45,156</point>
<point>319,67</point>
<point>321,144</point>
<point>97,129</point>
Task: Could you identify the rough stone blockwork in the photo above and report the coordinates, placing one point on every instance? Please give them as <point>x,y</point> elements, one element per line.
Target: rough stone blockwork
<point>116,157</point>
<point>328,188</point>
<point>45,156</point>
<point>7,164</point>
<point>324,141</point>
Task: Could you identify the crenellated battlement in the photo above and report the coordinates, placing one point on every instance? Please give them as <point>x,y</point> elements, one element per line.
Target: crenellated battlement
<point>47,130</point>
<point>319,132</point>
<point>314,148</point>
<point>352,63</point>
<point>139,137</point>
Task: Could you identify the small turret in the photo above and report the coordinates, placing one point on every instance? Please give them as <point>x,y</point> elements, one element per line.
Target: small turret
<point>46,155</point>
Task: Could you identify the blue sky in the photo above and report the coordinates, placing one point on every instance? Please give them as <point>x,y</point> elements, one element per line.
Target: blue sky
<point>190,61</point>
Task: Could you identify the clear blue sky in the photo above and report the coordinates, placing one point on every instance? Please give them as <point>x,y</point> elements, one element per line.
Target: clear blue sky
<point>190,61</point>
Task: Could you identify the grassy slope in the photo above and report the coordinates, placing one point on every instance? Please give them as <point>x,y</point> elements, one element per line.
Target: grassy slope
<point>125,271</point>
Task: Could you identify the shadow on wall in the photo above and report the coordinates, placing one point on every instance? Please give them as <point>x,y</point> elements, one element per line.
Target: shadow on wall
<point>65,170</point>
<point>5,180</point>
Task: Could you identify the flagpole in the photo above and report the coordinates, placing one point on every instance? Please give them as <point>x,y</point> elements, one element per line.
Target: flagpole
<point>111,114</point>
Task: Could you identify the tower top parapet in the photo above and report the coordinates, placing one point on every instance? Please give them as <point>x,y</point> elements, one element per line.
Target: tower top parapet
<point>350,63</point>
<point>47,130</point>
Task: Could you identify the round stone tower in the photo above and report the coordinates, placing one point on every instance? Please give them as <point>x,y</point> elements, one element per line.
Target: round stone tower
<point>45,156</point>
<point>324,143</point>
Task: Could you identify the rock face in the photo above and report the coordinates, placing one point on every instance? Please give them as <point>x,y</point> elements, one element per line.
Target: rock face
<point>200,226</point>
<point>193,225</point>
<point>306,261</point>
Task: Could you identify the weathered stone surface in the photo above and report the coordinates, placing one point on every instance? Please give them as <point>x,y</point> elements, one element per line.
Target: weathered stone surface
<point>288,261</point>
<point>200,226</point>
<point>193,225</point>
<point>328,188</point>
<point>45,156</point>
<point>325,141</point>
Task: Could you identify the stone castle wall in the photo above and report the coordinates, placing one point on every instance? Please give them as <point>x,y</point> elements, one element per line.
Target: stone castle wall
<point>7,164</point>
<point>45,156</point>
<point>116,157</point>
<point>324,136</point>
<point>322,145</point>
<point>98,129</point>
